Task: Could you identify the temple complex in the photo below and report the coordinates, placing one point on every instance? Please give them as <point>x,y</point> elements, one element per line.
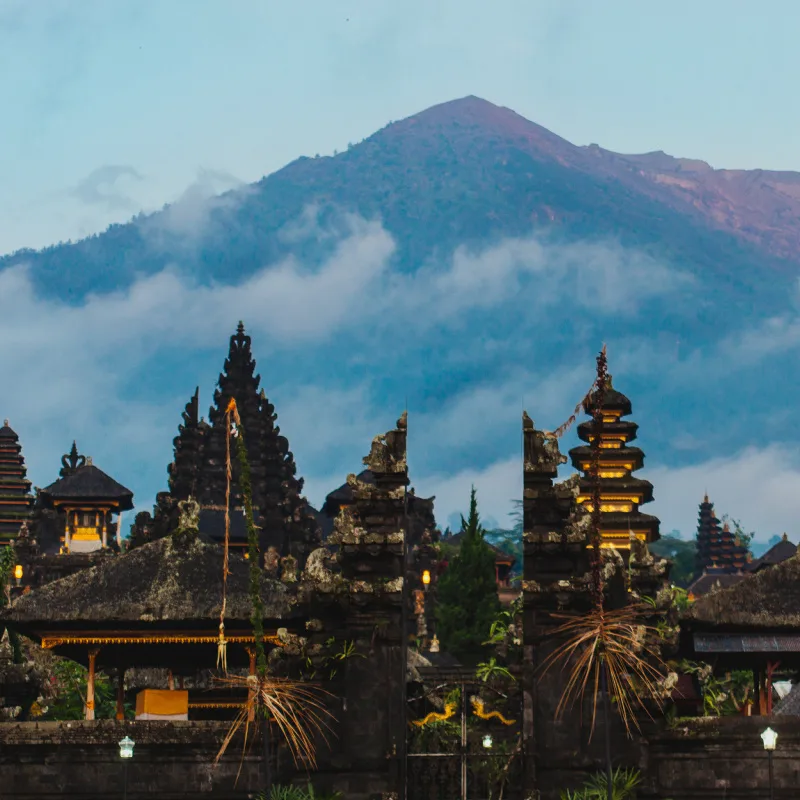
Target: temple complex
<point>287,523</point>
<point>621,492</point>
<point>751,625</point>
<point>158,606</point>
<point>718,548</point>
<point>16,500</point>
<point>347,597</point>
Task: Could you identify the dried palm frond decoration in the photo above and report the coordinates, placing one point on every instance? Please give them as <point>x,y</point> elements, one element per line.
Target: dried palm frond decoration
<point>297,708</point>
<point>232,421</point>
<point>615,643</point>
<point>605,652</point>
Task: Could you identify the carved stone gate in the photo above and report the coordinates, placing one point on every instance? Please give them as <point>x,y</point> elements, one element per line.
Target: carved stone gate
<point>463,739</point>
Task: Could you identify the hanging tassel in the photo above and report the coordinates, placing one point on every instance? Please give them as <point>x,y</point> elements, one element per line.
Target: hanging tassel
<point>222,650</point>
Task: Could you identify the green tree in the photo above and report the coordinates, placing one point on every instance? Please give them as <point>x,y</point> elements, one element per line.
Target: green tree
<point>682,553</point>
<point>467,601</point>
<point>744,537</point>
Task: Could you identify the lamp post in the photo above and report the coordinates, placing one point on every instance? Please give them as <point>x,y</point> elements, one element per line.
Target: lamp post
<point>487,741</point>
<point>18,573</point>
<point>770,739</point>
<point>125,753</point>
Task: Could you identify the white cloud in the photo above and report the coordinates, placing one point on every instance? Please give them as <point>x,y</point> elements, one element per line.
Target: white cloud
<point>495,485</point>
<point>773,336</point>
<point>755,486</point>
<point>602,275</point>
<point>186,220</point>
<point>74,365</point>
<point>750,486</point>
<point>105,186</point>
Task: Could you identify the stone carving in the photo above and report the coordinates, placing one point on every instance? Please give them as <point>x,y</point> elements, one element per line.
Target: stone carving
<point>541,451</point>
<point>189,516</point>
<point>272,561</point>
<point>289,569</point>
<point>388,452</point>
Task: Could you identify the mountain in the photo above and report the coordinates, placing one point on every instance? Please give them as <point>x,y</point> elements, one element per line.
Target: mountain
<point>688,273</point>
<point>461,173</point>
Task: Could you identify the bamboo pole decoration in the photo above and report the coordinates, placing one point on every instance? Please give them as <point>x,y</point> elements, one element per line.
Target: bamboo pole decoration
<point>232,421</point>
<point>597,429</point>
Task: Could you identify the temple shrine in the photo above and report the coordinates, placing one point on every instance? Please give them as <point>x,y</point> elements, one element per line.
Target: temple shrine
<point>288,525</point>
<point>621,492</point>
<point>85,500</point>
<point>16,500</point>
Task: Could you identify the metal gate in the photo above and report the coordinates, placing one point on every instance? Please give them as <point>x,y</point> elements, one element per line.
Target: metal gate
<point>463,739</point>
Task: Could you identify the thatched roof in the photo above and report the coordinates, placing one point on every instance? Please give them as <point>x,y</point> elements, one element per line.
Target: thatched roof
<point>177,579</point>
<point>714,582</point>
<point>770,599</point>
<point>89,482</point>
<point>777,554</point>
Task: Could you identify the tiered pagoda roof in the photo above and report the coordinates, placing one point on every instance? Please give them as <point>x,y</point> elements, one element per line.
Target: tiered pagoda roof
<point>15,489</point>
<point>718,548</point>
<point>621,492</point>
<point>283,515</point>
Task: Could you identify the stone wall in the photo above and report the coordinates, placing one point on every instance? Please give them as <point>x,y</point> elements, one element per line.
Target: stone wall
<point>80,761</point>
<point>722,759</point>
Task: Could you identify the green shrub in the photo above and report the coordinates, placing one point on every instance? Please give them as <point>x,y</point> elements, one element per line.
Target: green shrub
<point>623,786</point>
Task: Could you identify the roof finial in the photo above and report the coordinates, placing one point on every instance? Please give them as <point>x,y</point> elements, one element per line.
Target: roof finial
<point>785,537</point>
<point>88,461</point>
<point>5,423</point>
<point>705,497</point>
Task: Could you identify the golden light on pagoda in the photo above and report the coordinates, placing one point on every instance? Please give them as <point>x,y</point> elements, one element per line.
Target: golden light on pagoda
<point>426,576</point>
<point>18,572</point>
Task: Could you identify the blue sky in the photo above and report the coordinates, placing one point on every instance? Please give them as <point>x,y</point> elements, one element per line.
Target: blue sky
<point>110,108</point>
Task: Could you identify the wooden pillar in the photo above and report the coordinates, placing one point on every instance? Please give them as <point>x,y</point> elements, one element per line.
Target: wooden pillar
<point>758,699</point>
<point>90,684</point>
<point>170,680</point>
<point>119,528</point>
<point>66,532</point>
<point>104,534</point>
<point>251,695</point>
<point>121,693</point>
<point>772,667</point>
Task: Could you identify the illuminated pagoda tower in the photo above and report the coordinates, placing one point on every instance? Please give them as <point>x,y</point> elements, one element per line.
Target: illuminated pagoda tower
<point>621,493</point>
<point>15,489</point>
<point>718,548</point>
<point>285,520</point>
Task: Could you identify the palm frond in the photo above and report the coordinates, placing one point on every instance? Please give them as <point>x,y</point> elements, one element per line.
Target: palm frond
<point>297,707</point>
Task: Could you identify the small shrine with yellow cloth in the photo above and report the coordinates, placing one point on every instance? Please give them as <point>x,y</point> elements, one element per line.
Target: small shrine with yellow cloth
<point>157,606</point>
<point>85,499</point>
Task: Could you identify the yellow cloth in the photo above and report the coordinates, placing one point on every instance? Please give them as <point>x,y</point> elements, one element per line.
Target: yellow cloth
<point>162,702</point>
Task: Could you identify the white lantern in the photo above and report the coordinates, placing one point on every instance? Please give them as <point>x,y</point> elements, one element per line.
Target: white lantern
<point>770,739</point>
<point>126,748</point>
<point>487,741</point>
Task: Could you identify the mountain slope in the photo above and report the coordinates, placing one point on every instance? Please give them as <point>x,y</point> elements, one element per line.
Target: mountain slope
<point>461,173</point>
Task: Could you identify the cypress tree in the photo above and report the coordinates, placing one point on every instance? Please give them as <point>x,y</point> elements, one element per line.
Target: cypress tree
<point>467,601</point>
